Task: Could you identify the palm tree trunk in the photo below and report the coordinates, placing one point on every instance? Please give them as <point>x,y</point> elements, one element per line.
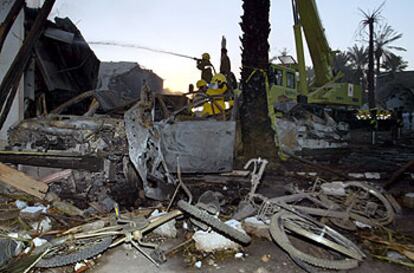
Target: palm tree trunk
<point>257,133</point>
<point>371,68</point>
<point>378,61</point>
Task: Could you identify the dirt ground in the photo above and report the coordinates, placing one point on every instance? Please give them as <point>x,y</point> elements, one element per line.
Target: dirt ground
<point>131,261</point>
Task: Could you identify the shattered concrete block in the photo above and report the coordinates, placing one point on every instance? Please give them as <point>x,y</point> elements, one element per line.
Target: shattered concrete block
<point>38,242</point>
<point>336,188</point>
<point>256,228</point>
<point>212,241</point>
<point>373,176</point>
<point>43,226</point>
<point>239,255</point>
<point>20,204</point>
<point>33,212</point>
<point>198,264</point>
<point>356,175</point>
<point>166,230</point>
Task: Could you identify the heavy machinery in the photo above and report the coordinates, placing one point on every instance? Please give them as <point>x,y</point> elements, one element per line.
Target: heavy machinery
<point>288,80</point>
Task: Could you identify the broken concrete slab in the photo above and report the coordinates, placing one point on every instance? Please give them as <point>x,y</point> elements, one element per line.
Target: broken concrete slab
<point>257,228</point>
<point>210,241</point>
<point>166,230</point>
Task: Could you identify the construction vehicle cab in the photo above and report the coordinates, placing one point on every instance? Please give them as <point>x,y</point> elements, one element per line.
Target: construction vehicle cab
<point>283,84</point>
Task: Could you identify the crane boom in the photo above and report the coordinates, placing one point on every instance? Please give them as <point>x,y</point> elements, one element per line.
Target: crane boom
<point>320,51</point>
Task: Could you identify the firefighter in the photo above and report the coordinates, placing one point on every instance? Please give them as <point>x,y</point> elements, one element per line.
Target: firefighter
<point>206,67</point>
<point>217,90</point>
<point>202,86</point>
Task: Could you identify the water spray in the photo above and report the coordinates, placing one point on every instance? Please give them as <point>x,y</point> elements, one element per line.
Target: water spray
<point>105,43</point>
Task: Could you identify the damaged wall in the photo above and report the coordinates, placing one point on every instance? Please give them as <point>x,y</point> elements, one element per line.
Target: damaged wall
<point>12,45</point>
<point>120,83</point>
<point>396,90</point>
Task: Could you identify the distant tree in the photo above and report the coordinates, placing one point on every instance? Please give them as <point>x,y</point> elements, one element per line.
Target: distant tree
<point>341,62</point>
<point>384,39</point>
<point>370,19</point>
<point>394,63</point>
<point>358,59</point>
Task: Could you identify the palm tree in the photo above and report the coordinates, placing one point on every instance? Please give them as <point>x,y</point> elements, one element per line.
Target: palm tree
<point>358,59</point>
<point>384,38</point>
<point>370,19</point>
<point>257,133</point>
<point>394,63</point>
<point>341,62</point>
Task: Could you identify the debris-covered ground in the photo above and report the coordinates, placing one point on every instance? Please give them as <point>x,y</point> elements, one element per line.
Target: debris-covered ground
<point>108,172</point>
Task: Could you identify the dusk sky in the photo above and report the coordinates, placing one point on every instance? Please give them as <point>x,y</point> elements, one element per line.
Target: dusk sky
<point>192,27</point>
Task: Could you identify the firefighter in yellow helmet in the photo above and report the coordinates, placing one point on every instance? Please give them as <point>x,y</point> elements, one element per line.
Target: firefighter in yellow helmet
<point>202,87</point>
<point>202,84</point>
<point>206,67</point>
<point>216,91</point>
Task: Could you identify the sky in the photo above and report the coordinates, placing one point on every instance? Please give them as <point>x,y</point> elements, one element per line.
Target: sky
<point>192,27</point>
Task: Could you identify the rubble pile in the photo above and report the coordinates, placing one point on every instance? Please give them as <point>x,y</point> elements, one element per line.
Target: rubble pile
<point>102,140</point>
<point>302,129</point>
<point>110,160</point>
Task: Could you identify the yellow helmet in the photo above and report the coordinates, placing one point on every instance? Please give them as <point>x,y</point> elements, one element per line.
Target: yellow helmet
<point>219,79</point>
<point>201,83</point>
<point>205,56</point>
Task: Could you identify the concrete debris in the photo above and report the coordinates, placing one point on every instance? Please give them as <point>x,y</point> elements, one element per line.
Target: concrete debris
<point>367,175</point>
<point>38,242</point>
<point>21,204</point>
<point>239,255</point>
<point>166,230</point>
<point>314,174</point>
<point>80,267</point>
<point>33,212</point>
<point>356,175</point>
<point>308,132</point>
<point>375,176</point>
<point>198,264</point>
<point>212,241</point>
<point>334,188</point>
<point>257,228</point>
<point>44,225</point>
